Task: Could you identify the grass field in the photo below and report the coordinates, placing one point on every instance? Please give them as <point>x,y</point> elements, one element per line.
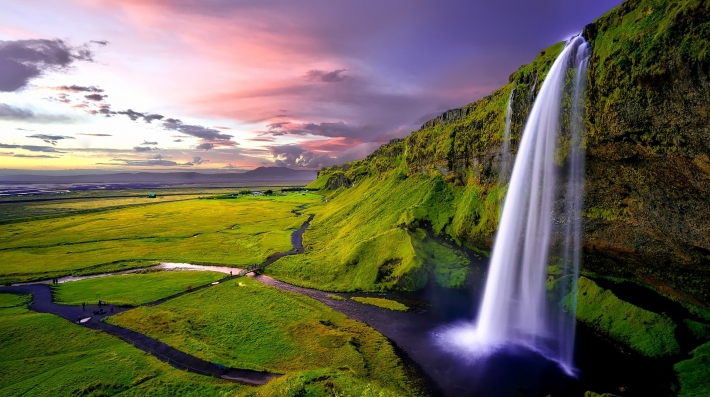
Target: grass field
<point>246,324</point>
<point>44,355</point>
<point>11,211</point>
<point>381,302</point>
<point>132,289</point>
<point>235,232</point>
<point>11,300</point>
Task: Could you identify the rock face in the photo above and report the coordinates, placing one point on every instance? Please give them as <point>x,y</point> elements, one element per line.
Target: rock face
<point>648,142</point>
<point>647,202</point>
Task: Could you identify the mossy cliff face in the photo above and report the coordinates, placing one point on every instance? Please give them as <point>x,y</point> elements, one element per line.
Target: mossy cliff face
<point>648,146</point>
<point>647,202</point>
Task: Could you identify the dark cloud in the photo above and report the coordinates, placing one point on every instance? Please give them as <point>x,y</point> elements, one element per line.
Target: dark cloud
<point>31,148</point>
<point>24,60</point>
<point>276,126</point>
<point>93,134</point>
<point>326,129</point>
<point>40,156</point>
<point>148,143</point>
<point>95,97</point>
<point>105,109</point>
<point>296,156</point>
<point>230,166</point>
<point>12,113</point>
<point>262,139</point>
<point>205,146</point>
<point>78,88</point>
<point>141,149</point>
<point>207,134</point>
<point>142,163</point>
<point>326,77</point>
<point>150,117</point>
<point>177,140</point>
<point>133,115</point>
<point>99,42</point>
<point>195,161</point>
<point>51,139</point>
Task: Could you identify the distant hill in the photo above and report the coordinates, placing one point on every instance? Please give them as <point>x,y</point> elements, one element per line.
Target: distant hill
<point>261,174</point>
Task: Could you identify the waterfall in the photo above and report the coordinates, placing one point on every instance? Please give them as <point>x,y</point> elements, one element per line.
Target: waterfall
<point>515,309</point>
<point>505,157</point>
<point>532,91</point>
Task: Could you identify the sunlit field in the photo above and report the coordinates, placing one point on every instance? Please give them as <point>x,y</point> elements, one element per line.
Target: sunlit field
<point>227,231</point>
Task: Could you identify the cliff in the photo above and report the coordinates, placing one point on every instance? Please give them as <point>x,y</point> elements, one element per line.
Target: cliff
<point>647,178</point>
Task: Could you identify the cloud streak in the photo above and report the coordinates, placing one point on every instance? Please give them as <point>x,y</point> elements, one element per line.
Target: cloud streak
<point>51,139</point>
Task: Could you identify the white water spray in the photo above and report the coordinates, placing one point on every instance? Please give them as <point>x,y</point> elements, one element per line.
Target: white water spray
<point>514,309</point>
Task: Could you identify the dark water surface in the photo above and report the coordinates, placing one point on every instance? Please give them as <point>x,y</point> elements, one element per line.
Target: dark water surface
<point>514,371</point>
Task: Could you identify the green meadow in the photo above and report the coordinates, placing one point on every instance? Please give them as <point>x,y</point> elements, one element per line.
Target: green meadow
<point>381,302</point>
<point>246,324</point>
<point>44,355</point>
<point>132,289</point>
<point>230,231</point>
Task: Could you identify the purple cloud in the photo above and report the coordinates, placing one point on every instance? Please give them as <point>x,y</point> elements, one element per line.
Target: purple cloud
<point>24,60</point>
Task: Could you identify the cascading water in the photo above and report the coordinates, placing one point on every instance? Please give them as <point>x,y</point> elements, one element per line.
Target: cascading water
<point>515,309</point>
<point>532,90</point>
<point>505,157</point>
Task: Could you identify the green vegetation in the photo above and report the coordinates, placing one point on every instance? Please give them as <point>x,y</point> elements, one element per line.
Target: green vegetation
<point>233,232</point>
<point>693,374</point>
<point>44,355</point>
<point>14,212</point>
<point>12,300</point>
<point>648,333</point>
<point>259,327</point>
<point>336,297</point>
<point>373,239</point>
<point>132,289</point>
<point>381,302</point>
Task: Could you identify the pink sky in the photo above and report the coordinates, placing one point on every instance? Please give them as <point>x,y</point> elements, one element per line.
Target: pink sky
<point>289,83</point>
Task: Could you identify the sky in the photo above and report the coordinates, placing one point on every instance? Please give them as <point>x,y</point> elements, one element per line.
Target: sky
<point>217,85</point>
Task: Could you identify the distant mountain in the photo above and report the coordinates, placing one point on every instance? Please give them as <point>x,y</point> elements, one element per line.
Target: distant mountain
<point>261,174</point>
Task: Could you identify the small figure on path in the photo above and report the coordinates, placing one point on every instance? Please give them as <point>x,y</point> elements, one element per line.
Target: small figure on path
<point>83,306</point>
<point>99,303</point>
<point>111,307</point>
<point>230,273</point>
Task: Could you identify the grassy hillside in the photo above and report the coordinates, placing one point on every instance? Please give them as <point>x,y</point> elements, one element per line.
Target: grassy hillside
<point>648,170</point>
<point>246,324</point>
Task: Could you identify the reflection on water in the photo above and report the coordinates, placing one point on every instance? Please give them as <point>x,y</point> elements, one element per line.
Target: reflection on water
<point>188,266</point>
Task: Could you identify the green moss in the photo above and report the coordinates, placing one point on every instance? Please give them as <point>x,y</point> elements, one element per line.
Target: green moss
<point>694,373</point>
<point>336,297</point>
<point>132,289</point>
<point>700,331</point>
<point>648,333</point>
<point>12,300</point>
<point>272,330</point>
<point>370,237</point>
<point>381,302</point>
<point>44,355</point>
